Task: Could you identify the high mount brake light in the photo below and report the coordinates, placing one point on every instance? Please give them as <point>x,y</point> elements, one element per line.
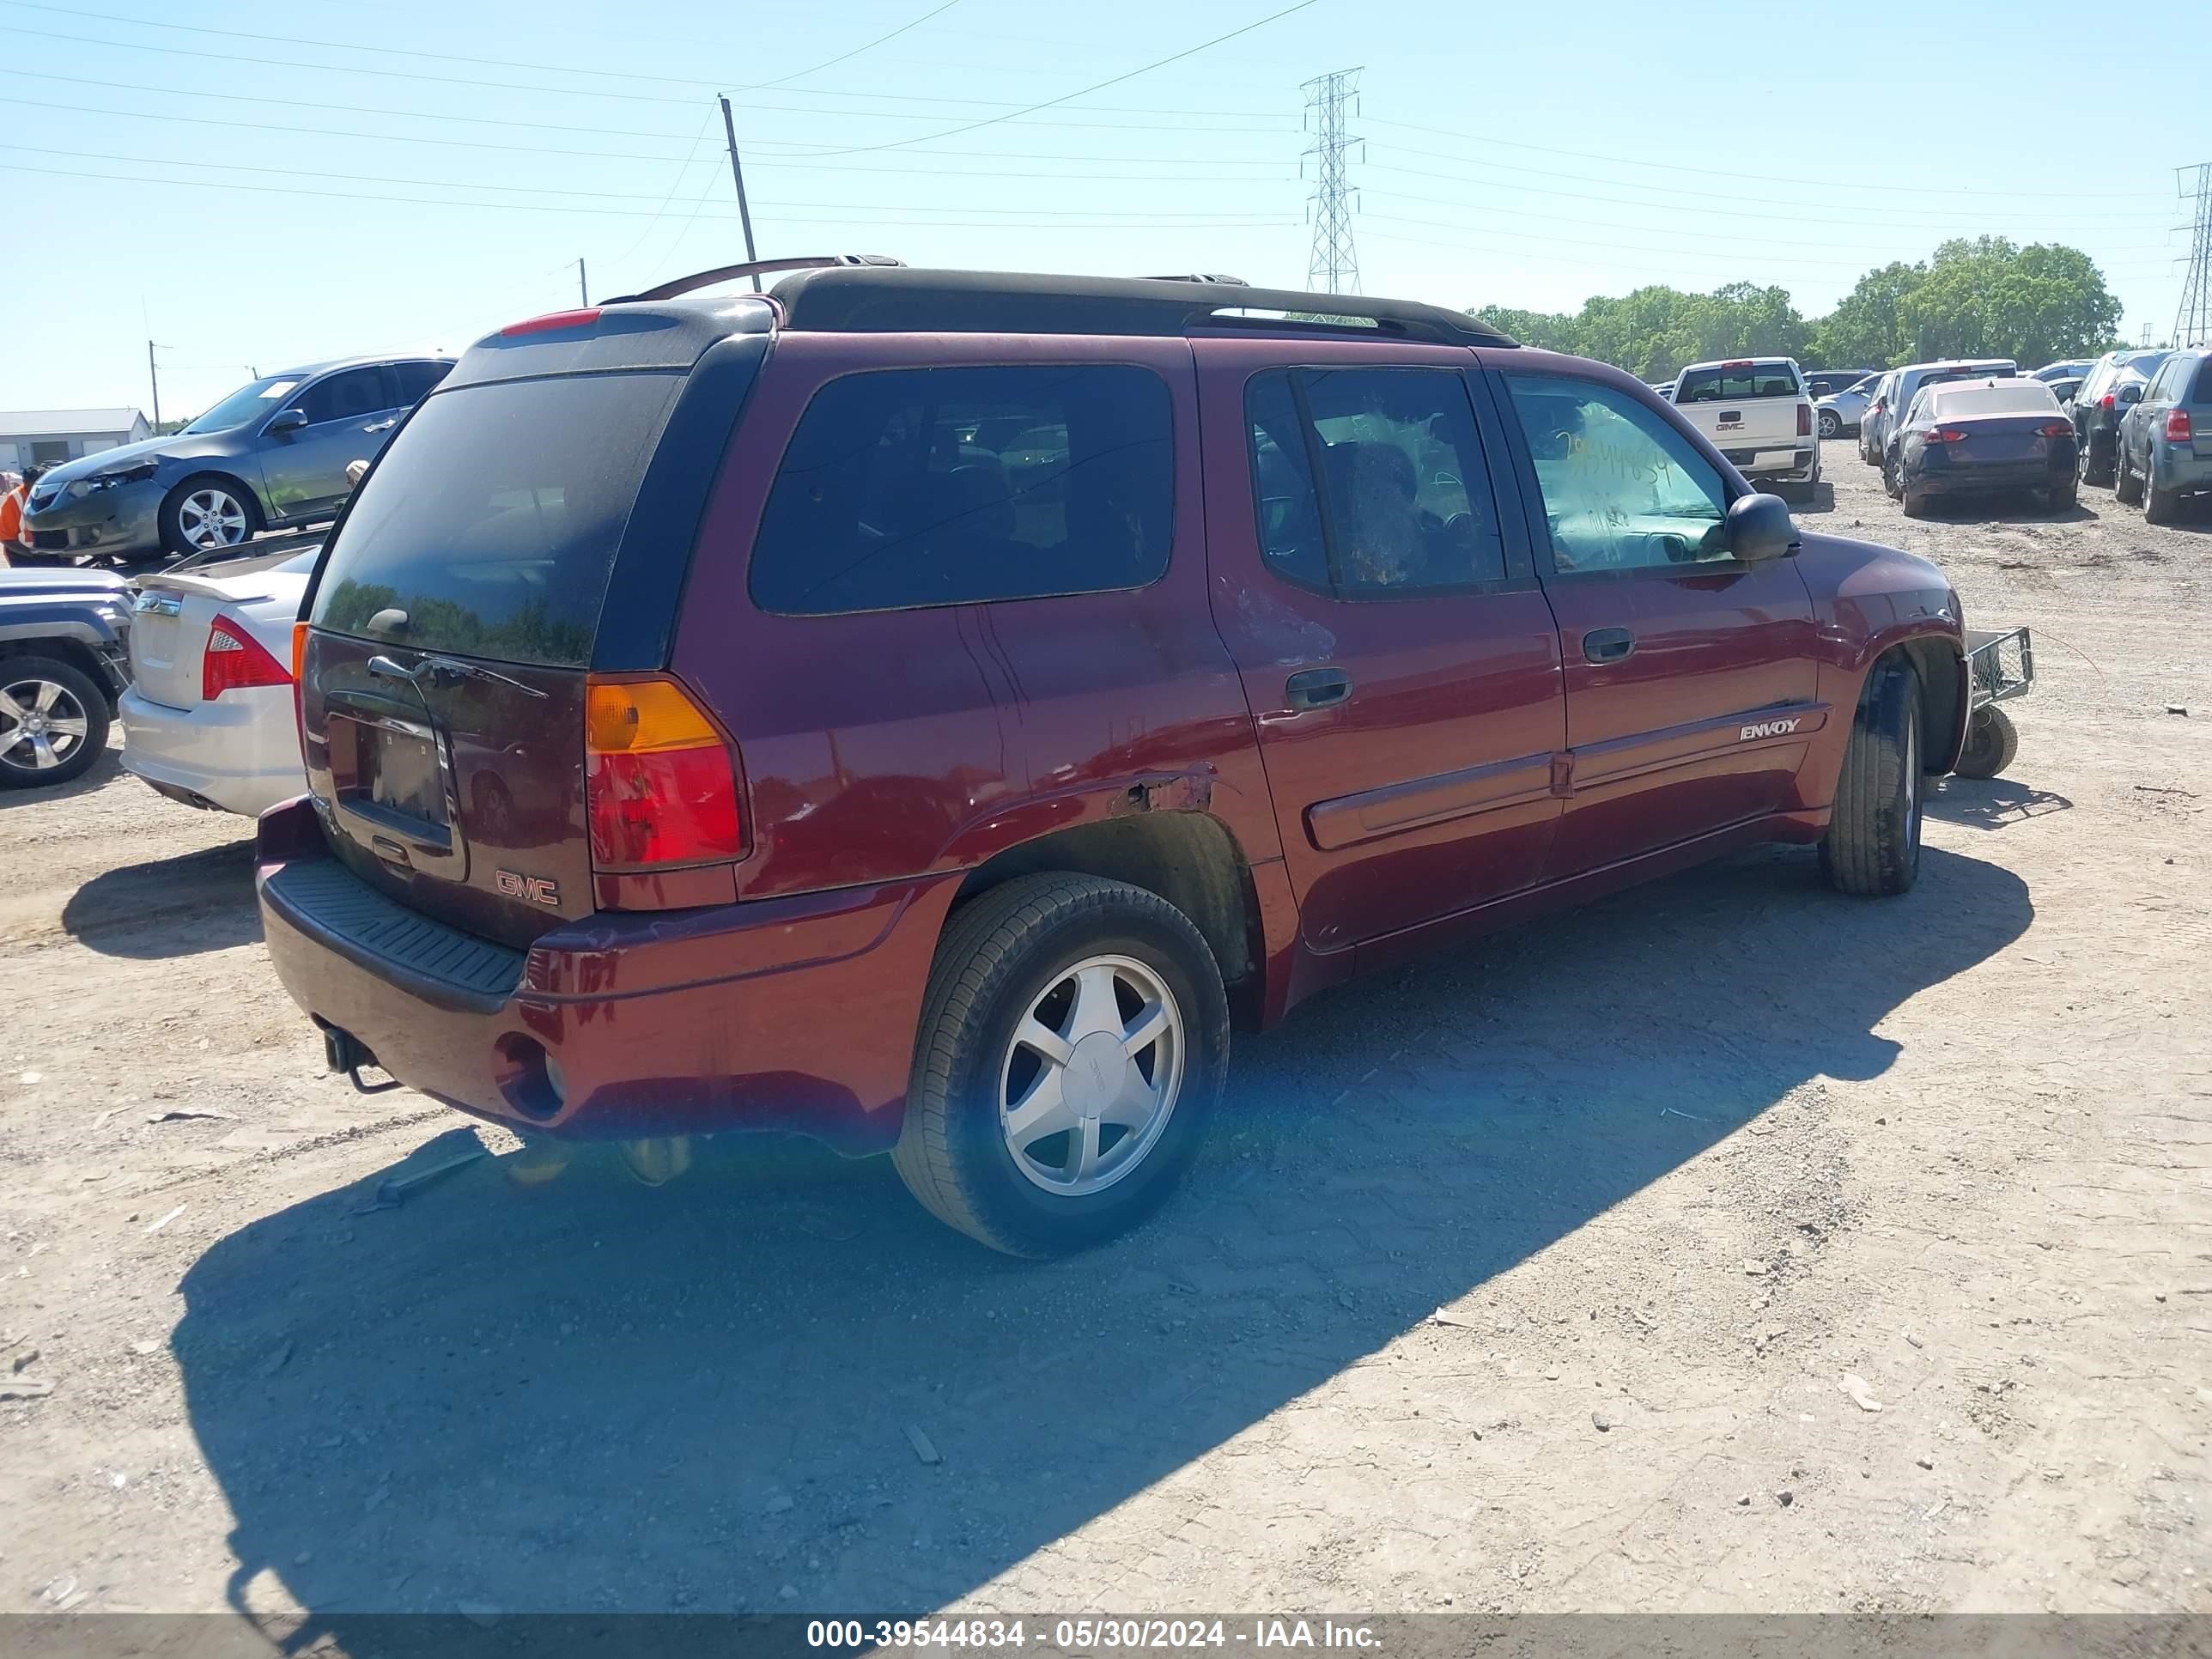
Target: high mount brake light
<point>552,322</point>
<point>661,784</point>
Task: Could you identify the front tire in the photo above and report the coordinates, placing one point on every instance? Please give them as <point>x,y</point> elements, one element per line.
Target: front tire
<point>1992,744</point>
<point>1872,847</point>
<point>53,722</point>
<point>1073,1042</point>
<point>207,511</point>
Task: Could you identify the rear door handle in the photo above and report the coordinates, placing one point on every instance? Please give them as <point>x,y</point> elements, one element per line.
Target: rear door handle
<point>1317,687</point>
<point>1602,645</point>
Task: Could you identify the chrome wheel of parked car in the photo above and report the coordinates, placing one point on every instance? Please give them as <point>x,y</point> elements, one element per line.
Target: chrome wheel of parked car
<point>1831,426</point>
<point>53,722</point>
<point>211,516</point>
<point>1091,1077</point>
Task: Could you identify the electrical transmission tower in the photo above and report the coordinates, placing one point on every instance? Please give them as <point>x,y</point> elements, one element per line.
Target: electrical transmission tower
<point>2192,322</point>
<point>1334,267</point>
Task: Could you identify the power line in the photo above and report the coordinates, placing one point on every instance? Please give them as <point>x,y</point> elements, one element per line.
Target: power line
<point>625,155</point>
<point>1226,222</point>
<point>1332,266</point>
<point>831,63</point>
<point>1718,172</point>
<point>2193,319</point>
<point>1098,86</point>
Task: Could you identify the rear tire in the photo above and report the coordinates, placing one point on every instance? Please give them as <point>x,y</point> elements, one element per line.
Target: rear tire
<point>2127,489</point>
<point>1872,847</point>
<point>1992,744</point>
<point>53,722</point>
<point>2094,470</point>
<point>2160,506</point>
<point>2063,496</point>
<point>1915,503</point>
<point>1025,957</point>
<point>1831,426</point>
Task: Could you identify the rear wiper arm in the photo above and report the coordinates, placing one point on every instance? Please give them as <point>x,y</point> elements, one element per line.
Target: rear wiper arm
<point>444,670</point>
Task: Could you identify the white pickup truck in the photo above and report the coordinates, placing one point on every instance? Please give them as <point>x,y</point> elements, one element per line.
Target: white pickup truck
<point>1758,414</point>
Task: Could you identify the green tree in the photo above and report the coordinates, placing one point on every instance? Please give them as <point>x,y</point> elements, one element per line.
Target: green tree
<point>1867,328</point>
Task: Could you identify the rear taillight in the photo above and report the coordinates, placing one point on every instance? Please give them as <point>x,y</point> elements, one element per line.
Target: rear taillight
<point>234,660</point>
<point>660,782</point>
<point>1804,420</point>
<point>299,689</point>
<point>1945,434</point>
<point>2178,429</point>
<point>2104,401</point>
<point>2055,429</point>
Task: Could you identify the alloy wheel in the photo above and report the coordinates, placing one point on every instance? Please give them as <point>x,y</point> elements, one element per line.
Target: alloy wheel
<point>1091,1076</point>
<point>42,724</point>
<point>212,517</point>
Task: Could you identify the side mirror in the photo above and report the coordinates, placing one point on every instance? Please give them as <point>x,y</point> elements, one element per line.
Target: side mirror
<point>2129,393</point>
<point>1759,528</point>
<point>284,419</point>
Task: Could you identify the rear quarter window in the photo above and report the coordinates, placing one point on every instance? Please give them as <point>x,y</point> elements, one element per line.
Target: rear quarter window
<point>908,487</point>
<point>493,518</point>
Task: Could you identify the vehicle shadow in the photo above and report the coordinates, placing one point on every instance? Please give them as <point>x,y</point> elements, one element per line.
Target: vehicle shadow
<point>2007,509</point>
<point>101,773</point>
<point>777,1383</point>
<point>1993,803</point>
<point>172,906</point>
<point>1824,500</point>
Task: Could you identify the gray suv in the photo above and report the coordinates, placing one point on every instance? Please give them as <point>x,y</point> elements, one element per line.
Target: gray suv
<point>271,455</point>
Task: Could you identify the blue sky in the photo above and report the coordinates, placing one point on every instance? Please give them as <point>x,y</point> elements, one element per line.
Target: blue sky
<point>256,182</point>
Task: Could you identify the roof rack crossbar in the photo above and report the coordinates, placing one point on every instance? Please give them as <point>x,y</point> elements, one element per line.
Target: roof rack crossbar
<point>699,279</point>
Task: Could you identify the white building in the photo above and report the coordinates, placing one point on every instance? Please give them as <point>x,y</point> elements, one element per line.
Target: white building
<point>47,437</point>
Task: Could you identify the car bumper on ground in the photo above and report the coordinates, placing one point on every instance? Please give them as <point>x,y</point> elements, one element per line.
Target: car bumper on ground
<point>238,754</point>
<point>791,1014</point>
<point>126,519</point>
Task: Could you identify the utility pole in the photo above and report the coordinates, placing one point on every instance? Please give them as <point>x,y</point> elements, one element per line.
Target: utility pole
<point>2192,322</point>
<point>1334,267</point>
<point>583,292</point>
<point>737,172</point>
<point>154,374</point>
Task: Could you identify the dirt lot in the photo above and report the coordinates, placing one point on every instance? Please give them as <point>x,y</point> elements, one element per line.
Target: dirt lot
<point>1727,1245</point>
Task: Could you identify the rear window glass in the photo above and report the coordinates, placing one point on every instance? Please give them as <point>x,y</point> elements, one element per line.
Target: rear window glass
<point>905,488</point>
<point>1713,386</point>
<point>2005,397</point>
<point>492,520</point>
<point>2203,394</point>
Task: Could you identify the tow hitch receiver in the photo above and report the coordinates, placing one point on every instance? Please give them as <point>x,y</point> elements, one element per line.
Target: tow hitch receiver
<point>344,1052</point>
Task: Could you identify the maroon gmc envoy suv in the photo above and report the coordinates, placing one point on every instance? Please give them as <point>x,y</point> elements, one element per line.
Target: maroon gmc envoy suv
<point>930,710</point>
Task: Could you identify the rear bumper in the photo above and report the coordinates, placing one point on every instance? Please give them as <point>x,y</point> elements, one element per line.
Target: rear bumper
<point>1798,465</point>
<point>239,753</point>
<point>2056,472</point>
<point>786,1014</point>
<point>2174,468</point>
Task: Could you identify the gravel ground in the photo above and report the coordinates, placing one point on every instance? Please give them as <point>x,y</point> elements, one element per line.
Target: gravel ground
<point>1726,1245</point>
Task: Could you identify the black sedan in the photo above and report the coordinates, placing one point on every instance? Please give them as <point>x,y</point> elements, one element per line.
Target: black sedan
<point>1982,437</point>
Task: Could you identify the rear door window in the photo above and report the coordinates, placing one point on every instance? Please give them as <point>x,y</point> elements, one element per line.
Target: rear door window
<point>1372,483</point>
<point>343,396</point>
<point>492,521</point>
<point>2203,394</point>
<point>1731,381</point>
<point>418,380</point>
<point>907,487</point>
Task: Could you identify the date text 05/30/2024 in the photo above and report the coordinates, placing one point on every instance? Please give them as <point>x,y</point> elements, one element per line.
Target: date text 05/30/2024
<point>1088,1635</point>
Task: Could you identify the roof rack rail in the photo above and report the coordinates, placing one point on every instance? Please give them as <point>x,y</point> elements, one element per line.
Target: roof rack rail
<point>1202,277</point>
<point>907,300</point>
<point>753,268</point>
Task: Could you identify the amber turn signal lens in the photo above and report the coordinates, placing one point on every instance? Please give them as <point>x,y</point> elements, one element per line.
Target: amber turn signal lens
<point>640,717</point>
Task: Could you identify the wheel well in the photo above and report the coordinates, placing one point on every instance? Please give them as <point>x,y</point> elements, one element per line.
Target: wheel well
<point>1942,683</point>
<point>77,654</point>
<point>1188,857</point>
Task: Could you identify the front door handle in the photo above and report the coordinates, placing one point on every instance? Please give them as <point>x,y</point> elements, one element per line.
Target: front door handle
<point>383,426</point>
<point>1604,644</point>
<point>1317,687</point>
